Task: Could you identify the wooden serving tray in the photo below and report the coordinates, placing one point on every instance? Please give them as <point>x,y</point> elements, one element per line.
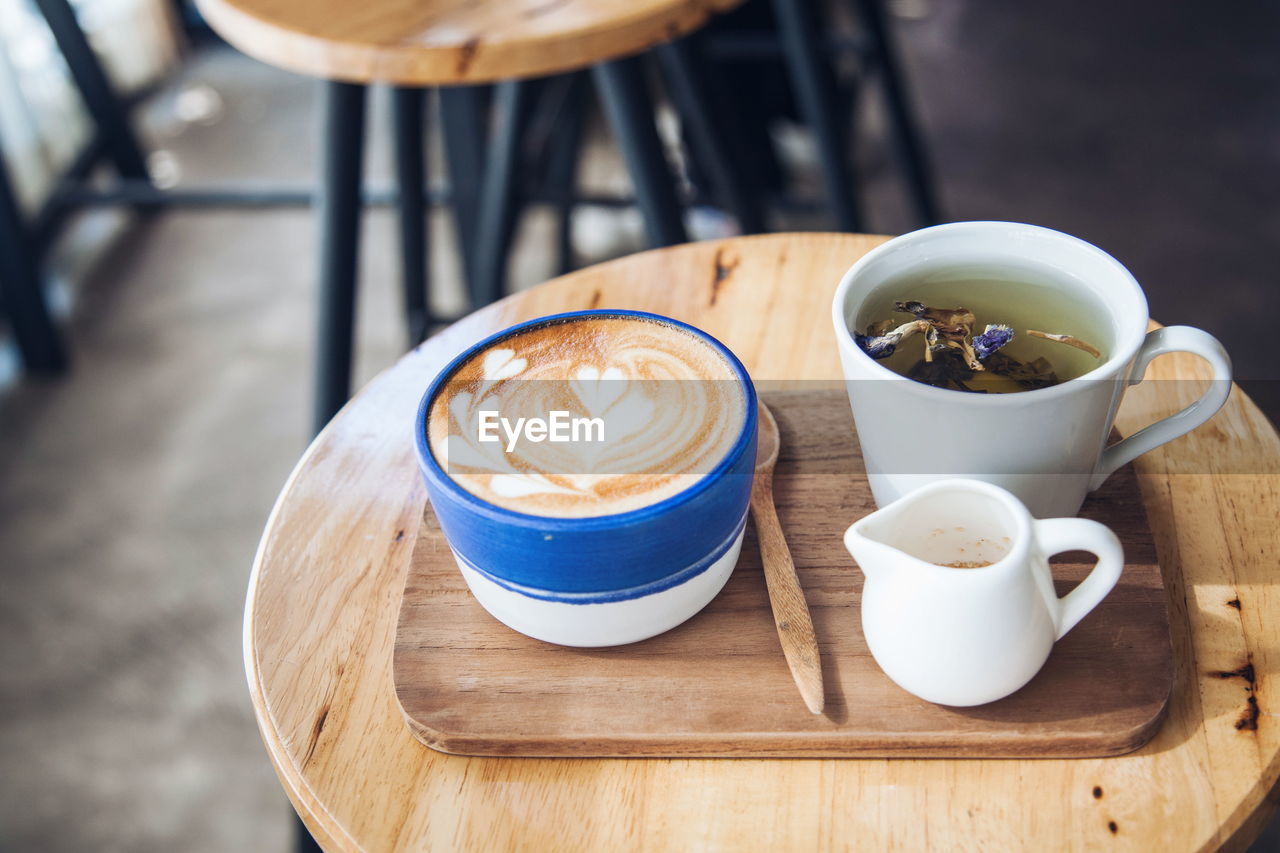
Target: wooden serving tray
<point>718,685</point>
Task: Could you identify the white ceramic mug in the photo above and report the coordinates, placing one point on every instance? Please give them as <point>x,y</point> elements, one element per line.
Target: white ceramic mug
<point>1047,446</point>
<point>967,636</point>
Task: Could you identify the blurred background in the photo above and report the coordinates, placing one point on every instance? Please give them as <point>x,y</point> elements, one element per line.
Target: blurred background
<point>134,484</point>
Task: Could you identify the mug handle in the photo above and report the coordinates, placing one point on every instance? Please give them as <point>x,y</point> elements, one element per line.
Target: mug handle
<point>1158,342</point>
<point>1080,534</point>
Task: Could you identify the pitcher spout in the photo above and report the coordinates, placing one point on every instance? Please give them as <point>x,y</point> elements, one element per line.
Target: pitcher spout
<point>868,540</point>
<point>861,548</point>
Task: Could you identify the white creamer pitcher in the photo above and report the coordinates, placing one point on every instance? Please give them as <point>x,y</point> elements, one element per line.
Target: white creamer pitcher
<point>958,605</point>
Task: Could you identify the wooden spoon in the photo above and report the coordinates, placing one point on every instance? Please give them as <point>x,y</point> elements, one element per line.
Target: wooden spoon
<point>790,611</point>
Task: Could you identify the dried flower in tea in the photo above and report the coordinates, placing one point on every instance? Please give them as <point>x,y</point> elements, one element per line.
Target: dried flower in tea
<point>1038,373</point>
<point>1067,339</point>
<point>992,338</point>
<point>953,355</point>
<point>949,328</point>
<point>878,344</point>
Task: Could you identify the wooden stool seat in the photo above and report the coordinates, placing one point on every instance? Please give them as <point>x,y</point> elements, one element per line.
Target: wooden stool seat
<point>449,42</point>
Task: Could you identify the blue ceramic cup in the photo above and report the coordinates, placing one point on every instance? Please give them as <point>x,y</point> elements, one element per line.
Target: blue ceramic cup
<point>600,580</point>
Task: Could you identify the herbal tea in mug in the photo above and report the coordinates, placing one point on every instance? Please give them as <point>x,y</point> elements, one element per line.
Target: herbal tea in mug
<point>1028,294</point>
<point>982,335</point>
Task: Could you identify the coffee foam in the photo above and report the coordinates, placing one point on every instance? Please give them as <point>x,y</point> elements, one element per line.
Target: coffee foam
<point>671,406</point>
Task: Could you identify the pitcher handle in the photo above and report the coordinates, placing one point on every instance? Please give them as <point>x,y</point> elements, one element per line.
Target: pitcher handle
<point>1080,534</point>
<point>1158,342</point>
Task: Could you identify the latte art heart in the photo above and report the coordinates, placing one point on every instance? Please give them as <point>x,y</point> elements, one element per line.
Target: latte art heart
<point>589,417</point>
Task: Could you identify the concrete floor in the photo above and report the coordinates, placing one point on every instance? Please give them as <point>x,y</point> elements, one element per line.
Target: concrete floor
<point>132,492</point>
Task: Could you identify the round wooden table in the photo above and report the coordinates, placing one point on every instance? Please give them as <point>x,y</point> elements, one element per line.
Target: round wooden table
<point>325,593</point>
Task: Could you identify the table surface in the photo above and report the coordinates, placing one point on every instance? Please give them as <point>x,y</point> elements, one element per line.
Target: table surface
<point>325,592</point>
<point>449,42</point>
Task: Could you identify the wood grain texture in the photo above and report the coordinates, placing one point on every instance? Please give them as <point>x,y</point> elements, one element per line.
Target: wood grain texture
<point>719,686</point>
<point>449,42</point>
<point>325,594</point>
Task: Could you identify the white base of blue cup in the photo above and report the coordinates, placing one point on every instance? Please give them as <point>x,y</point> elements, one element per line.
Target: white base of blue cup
<point>610,623</point>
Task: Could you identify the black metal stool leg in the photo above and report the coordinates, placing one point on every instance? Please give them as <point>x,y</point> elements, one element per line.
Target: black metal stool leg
<point>495,221</point>
<point>302,840</point>
<point>99,98</point>
<point>411,175</point>
<point>911,150</point>
<point>463,125</point>
<point>20,289</point>
<point>340,209</point>
<point>805,55</point>
<point>629,109</point>
<point>562,170</point>
<point>698,114</point>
